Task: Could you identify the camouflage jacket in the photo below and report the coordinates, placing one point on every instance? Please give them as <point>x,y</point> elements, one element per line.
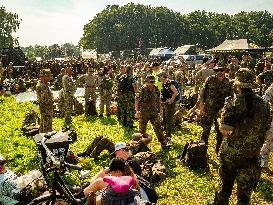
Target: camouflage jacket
<point>68,85</point>
<point>214,93</point>
<point>44,95</point>
<point>248,130</point>
<point>149,100</point>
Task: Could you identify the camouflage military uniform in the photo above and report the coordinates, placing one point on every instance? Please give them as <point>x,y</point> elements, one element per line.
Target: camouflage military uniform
<point>69,90</point>
<point>213,97</point>
<point>101,143</point>
<point>126,99</point>
<point>90,84</point>
<point>202,75</point>
<point>149,107</point>
<point>45,100</point>
<point>268,143</point>
<point>239,152</point>
<point>105,89</point>
<point>266,78</point>
<point>153,169</point>
<point>61,104</point>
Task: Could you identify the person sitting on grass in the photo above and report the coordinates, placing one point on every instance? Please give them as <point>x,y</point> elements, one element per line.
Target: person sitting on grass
<point>118,177</point>
<point>8,184</point>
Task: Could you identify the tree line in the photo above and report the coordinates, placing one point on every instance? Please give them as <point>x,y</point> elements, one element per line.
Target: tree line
<point>52,51</point>
<point>133,26</point>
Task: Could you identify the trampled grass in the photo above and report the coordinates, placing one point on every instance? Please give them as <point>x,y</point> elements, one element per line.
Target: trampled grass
<point>181,186</point>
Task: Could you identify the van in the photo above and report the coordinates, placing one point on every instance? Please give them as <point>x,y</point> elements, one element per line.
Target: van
<point>193,60</point>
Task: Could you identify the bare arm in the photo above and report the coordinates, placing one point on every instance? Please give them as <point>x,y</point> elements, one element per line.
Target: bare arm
<point>95,186</point>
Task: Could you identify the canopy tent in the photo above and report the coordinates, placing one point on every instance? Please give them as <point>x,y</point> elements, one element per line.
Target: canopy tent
<point>186,49</point>
<point>155,51</point>
<point>165,52</point>
<point>161,52</point>
<point>89,54</point>
<point>235,46</point>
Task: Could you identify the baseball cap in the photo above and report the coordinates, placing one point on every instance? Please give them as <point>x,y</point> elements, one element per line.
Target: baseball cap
<point>119,146</point>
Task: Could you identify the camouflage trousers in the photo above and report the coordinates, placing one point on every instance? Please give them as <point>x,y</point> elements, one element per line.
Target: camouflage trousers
<point>168,117</point>
<point>46,119</point>
<point>206,123</point>
<point>126,107</point>
<point>68,109</point>
<point>61,103</point>
<point>153,169</point>
<point>144,118</point>
<point>90,95</point>
<point>267,146</point>
<point>246,173</point>
<point>99,144</point>
<point>105,99</point>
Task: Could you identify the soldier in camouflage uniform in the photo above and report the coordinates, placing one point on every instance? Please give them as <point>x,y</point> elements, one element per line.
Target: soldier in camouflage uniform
<point>122,71</point>
<point>168,98</point>
<point>61,104</point>
<point>105,89</point>
<point>90,83</point>
<point>268,143</point>
<point>126,89</point>
<point>147,107</point>
<point>244,122</point>
<point>69,90</point>
<point>211,100</point>
<point>45,100</point>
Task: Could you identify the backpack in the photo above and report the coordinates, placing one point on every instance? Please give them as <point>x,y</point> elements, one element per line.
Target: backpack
<point>131,197</point>
<point>125,83</point>
<point>195,154</point>
<point>150,191</point>
<point>106,82</point>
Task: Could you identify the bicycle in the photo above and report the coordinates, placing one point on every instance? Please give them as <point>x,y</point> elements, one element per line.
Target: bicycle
<point>59,191</point>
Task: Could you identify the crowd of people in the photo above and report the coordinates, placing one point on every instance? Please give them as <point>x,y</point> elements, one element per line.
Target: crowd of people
<point>235,94</point>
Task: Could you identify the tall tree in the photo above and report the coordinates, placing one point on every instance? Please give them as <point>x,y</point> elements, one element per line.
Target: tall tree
<point>9,23</point>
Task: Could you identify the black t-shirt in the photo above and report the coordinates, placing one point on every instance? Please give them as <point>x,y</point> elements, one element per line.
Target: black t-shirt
<point>134,165</point>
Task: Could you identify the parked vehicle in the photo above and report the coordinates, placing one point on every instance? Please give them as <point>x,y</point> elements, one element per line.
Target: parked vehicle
<point>195,59</point>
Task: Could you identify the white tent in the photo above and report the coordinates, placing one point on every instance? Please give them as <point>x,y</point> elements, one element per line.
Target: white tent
<point>89,54</point>
<point>182,50</point>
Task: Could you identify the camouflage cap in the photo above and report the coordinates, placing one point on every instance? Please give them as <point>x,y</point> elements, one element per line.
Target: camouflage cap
<point>244,78</point>
<point>45,73</point>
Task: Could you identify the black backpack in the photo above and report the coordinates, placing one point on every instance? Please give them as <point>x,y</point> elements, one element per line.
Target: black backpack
<point>131,197</point>
<point>195,154</point>
<point>125,83</point>
<point>149,190</point>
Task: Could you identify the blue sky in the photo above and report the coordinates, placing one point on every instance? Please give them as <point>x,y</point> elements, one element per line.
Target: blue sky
<point>46,22</point>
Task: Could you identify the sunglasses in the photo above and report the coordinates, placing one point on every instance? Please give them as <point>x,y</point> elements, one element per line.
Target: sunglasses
<point>2,163</point>
<point>151,81</point>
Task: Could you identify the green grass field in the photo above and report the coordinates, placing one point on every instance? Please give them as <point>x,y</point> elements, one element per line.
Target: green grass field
<point>181,186</point>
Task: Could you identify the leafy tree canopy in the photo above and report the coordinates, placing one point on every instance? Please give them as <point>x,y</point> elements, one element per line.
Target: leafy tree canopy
<point>9,23</point>
<point>139,26</point>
